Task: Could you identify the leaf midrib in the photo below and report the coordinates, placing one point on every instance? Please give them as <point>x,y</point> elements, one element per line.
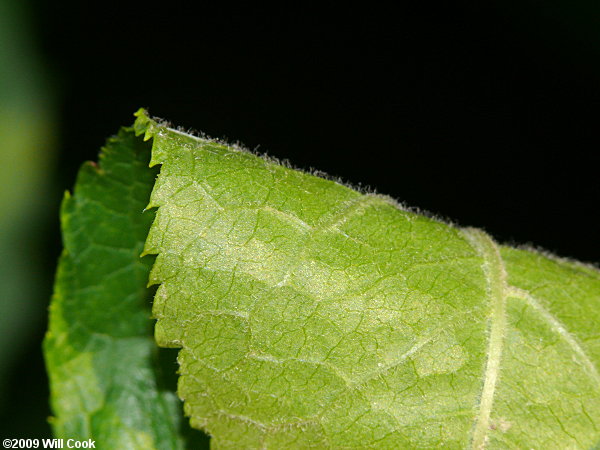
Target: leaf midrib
<point>495,273</point>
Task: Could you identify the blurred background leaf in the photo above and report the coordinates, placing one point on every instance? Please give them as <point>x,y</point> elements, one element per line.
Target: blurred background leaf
<point>26,166</point>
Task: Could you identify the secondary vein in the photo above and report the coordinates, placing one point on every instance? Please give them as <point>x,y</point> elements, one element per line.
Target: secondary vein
<point>560,329</point>
<point>497,290</point>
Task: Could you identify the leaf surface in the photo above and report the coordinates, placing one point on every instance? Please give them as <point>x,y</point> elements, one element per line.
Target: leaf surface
<point>310,315</point>
<point>99,351</point>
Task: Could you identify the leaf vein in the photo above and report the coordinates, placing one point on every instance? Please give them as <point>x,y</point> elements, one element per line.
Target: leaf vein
<point>495,274</point>
<point>560,329</point>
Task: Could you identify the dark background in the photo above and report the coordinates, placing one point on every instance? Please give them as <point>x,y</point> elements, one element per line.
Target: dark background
<point>485,115</point>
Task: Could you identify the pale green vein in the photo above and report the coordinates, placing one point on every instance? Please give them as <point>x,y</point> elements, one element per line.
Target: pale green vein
<point>496,279</point>
<point>353,208</point>
<point>560,329</point>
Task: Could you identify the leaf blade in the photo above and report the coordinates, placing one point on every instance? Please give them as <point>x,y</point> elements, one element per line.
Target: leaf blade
<point>99,353</point>
<point>270,274</point>
<point>328,347</point>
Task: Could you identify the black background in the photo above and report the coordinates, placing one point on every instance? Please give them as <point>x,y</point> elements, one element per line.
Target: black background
<point>483,114</point>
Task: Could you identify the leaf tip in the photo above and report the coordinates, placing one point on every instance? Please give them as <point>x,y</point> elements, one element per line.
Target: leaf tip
<point>143,124</point>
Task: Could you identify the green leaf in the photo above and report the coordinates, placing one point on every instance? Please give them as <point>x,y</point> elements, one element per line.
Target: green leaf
<point>310,315</point>
<point>99,351</point>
